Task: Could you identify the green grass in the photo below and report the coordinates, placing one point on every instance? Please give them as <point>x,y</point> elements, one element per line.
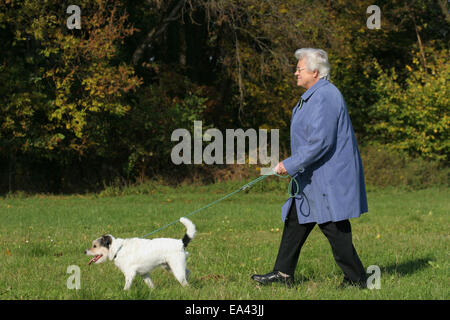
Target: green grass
<point>406,234</point>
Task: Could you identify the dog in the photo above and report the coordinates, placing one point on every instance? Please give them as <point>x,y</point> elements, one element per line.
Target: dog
<point>140,256</point>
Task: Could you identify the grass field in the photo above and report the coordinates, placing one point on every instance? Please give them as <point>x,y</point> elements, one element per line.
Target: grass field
<point>405,233</point>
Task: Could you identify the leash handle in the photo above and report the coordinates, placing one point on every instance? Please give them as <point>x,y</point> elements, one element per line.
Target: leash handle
<point>293,180</point>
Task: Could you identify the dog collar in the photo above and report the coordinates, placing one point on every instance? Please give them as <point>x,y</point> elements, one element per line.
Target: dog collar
<point>115,256</point>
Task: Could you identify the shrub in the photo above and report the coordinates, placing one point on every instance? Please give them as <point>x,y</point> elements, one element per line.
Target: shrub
<point>413,115</point>
<point>385,167</point>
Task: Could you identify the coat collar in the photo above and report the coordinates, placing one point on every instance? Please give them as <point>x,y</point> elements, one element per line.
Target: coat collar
<point>317,85</point>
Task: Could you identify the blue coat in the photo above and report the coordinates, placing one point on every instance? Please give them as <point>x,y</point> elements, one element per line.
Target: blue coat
<point>325,159</point>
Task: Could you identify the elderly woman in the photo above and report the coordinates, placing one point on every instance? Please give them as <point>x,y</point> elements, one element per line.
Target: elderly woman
<point>326,164</point>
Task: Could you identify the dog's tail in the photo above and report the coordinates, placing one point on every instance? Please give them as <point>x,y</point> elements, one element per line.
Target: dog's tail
<point>190,231</point>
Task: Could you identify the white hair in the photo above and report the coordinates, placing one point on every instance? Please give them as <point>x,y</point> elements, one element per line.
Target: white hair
<point>316,59</point>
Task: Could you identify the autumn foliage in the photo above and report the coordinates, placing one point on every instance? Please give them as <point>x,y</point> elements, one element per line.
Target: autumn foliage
<point>84,108</point>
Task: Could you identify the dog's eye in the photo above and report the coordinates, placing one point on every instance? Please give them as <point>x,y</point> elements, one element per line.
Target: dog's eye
<point>95,246</point>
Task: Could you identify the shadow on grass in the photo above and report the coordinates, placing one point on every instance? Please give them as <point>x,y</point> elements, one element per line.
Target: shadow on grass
<point>405,268</point>
<point>408,267</point>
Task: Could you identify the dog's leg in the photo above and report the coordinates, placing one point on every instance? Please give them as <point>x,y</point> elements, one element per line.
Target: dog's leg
<point>177,264</point>
<point>129,279</point>
<point>148,280</point>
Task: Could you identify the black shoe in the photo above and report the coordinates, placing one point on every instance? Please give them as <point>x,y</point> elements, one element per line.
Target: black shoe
<point>274,276</point>
<point>346,283</point>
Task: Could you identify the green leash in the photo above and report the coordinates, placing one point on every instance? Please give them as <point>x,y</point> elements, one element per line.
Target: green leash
<point>246,186</point>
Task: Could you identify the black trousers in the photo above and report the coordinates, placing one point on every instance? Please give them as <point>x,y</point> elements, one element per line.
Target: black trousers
<point>339,234</point>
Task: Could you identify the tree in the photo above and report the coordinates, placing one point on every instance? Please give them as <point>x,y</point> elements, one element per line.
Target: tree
<point>414,116</point>
<point>56,99</point>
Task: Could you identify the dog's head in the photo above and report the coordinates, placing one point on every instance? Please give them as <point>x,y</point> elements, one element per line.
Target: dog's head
<point>100,249</point>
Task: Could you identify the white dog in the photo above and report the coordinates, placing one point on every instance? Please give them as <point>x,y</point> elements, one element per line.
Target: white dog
<point>140,256</point>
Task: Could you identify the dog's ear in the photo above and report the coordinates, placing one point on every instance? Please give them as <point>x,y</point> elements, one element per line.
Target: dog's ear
<point>106,241</point>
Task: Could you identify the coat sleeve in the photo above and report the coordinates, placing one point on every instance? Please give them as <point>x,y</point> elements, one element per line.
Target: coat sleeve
<point>321,136</point>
